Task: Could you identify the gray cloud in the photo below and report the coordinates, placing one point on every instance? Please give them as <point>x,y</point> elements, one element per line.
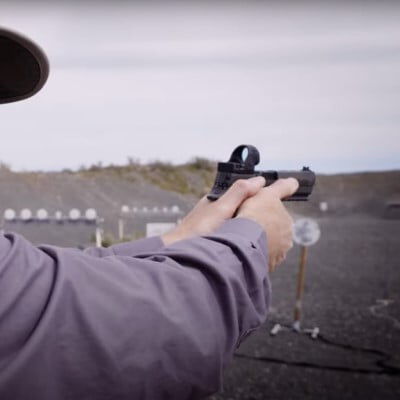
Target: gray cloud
<point>314,85</point>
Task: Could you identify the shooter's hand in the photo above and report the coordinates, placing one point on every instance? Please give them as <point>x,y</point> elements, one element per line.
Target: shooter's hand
<point>267,209</point>
<point>208,215</point>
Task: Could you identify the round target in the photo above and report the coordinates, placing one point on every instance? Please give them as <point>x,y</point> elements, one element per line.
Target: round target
<point>306,232</point>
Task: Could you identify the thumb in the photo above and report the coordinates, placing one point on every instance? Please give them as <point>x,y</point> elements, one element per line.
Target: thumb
<point>240,191</point>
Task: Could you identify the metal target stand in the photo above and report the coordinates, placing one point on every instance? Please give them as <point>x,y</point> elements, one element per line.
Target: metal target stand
<point>306,233</point>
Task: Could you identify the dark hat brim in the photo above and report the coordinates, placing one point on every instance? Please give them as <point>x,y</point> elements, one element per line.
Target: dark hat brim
<point>24,67</point>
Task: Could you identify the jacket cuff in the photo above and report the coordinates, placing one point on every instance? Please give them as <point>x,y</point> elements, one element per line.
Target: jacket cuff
<point>247,229</point>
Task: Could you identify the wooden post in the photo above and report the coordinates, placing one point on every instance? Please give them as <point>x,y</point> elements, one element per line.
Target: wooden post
<point>300,287</point>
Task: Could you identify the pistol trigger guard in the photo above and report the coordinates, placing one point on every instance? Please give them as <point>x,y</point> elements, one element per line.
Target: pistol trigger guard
<point>252,159</point>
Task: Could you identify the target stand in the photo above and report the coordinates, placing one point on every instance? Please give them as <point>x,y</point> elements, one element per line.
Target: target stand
<point>306,232</point>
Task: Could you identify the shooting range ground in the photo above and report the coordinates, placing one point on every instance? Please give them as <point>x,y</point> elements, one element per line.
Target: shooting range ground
<point>353,266</point>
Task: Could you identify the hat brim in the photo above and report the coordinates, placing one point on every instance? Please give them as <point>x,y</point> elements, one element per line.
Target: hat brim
<point>24,67</point>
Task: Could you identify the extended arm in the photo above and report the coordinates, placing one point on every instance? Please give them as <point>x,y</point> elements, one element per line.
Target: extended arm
<point>158,325</point>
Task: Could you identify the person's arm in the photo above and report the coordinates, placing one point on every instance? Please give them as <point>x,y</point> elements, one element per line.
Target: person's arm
<point>158,325</point>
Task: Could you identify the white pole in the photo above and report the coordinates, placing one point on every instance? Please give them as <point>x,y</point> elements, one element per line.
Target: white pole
<point>98,237</point>
<point>120,228</point>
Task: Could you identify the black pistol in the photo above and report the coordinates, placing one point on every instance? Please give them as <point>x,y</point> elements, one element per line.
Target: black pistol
<point>243,168</point>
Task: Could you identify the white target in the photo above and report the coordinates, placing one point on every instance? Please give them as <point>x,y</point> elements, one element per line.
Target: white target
<point>9,214</point>
<point>306,232</point>
<point>26,214</point>
<point>42,214</point>
<point>91,214</point>
<point>125,209</point>
<point>323,206</point>
<point>175,209</point>
<point>74,214</point>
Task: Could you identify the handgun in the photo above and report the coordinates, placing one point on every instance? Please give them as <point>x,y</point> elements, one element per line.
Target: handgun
<point>241,166</point>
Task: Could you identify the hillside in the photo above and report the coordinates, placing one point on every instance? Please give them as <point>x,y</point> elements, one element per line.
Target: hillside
<point>105,189</point>
<point>164,185</point>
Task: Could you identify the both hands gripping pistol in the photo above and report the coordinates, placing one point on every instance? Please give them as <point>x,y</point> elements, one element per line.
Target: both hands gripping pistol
<point>239,168</point>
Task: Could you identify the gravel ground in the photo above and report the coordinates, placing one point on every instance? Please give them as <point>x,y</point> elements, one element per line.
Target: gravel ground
<point>353,266</point>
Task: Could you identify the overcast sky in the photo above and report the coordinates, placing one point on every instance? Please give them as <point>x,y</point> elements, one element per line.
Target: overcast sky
<point>308,84</point>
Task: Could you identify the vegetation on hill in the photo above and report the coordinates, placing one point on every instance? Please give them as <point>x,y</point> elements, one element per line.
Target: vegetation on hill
<point>353,193</point>
<point>194,177</point>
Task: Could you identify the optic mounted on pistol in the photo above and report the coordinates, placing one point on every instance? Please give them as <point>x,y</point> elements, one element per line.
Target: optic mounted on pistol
<point>243,168</point>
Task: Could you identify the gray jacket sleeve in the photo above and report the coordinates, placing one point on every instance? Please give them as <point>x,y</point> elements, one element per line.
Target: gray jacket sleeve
<point>147,322</point>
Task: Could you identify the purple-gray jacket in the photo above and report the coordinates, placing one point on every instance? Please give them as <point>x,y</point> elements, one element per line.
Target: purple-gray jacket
<point>137,320</point>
